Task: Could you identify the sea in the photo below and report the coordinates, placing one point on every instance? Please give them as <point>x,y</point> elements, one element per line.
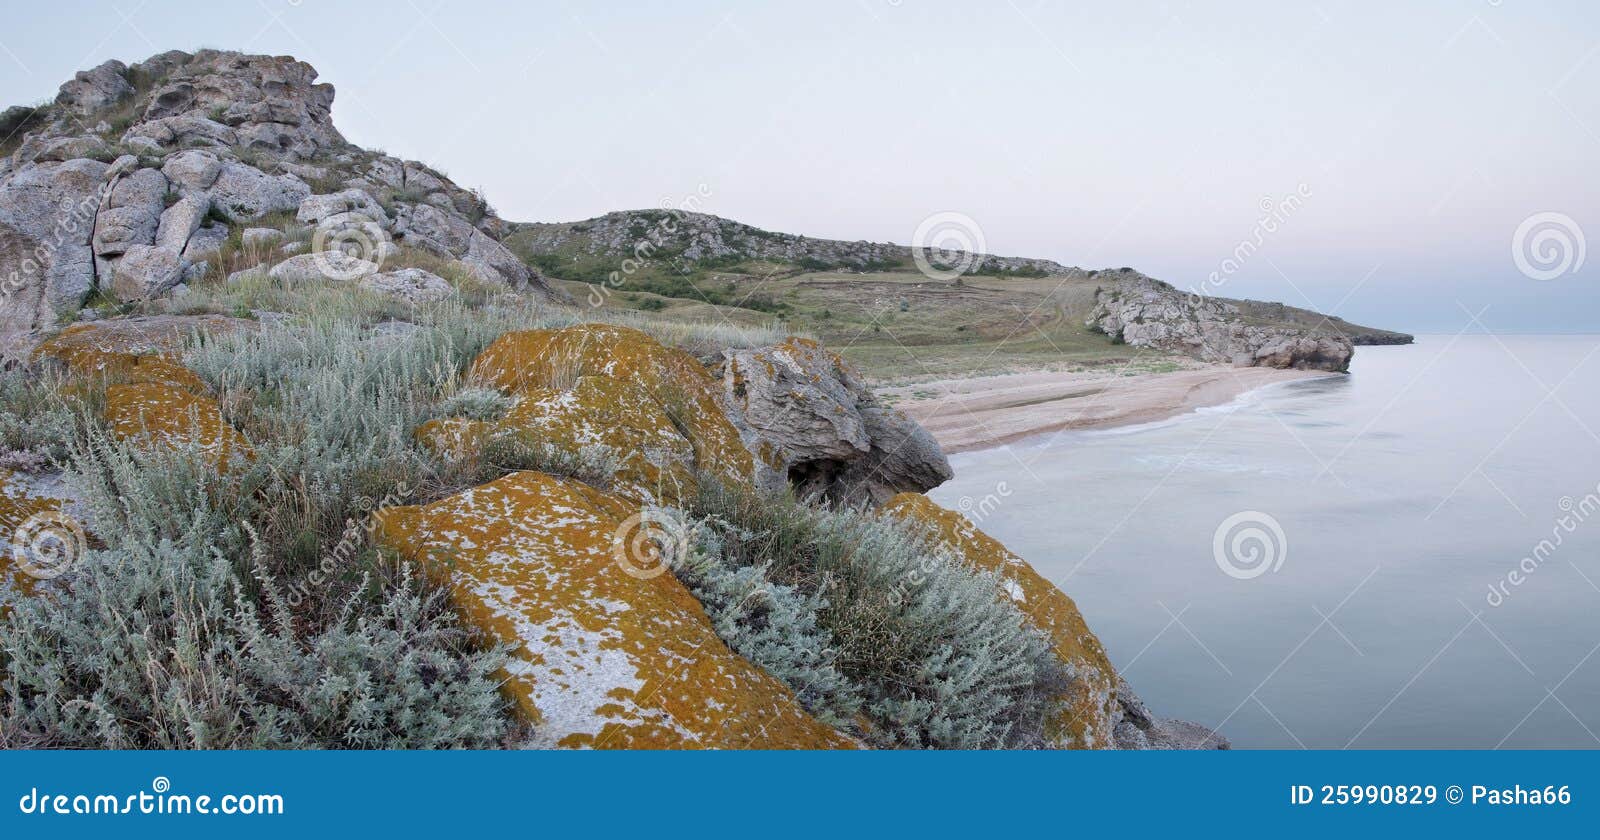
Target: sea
<point>1404,556</point>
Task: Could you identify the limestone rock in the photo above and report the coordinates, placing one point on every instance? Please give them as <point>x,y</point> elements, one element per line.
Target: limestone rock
<point>534,361</point>
<point>409,284</point>
<point>259,238</point>
<point>448,235</point>
<point>317,208</point>
<point>242,192</point>
<point>1148,313</point>
<point>181,220</point>
<point>47,220</point>
<point>601,658</point>
<point>192,170</point>
<point>92,90</point>
<point>813,423</point>
<point>132,211</point>
<point>146,271</point>
<point>321,267</point>
<point>205,241</point>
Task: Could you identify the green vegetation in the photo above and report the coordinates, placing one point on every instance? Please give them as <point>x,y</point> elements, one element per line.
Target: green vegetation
<point>860,616</point>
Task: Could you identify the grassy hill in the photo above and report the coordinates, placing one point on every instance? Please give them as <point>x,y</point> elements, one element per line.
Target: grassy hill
<point>868,300</point>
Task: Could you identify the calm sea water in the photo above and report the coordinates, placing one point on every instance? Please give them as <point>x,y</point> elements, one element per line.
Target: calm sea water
<point>1345,561</point>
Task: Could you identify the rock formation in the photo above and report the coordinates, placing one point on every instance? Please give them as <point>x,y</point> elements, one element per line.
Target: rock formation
<point>135,175</point>
<point>1143,312</point>
<point>813,423</point>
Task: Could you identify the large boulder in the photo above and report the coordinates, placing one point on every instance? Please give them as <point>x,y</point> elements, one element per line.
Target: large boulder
<point>608,649</point>
<point>533,362</point>
<point>132,210</point>
<point>318,208</point>
<point>1097,709</point>
<point>448,235</point>
<point>180,221</point>
<point>93,90</point>
<point>47,219</point>
<point>193,170</point>
<point>813,423</point>
<point>412,285</point>
<point>323,266</point>
<point>242,192</point>
<point>146,271</point>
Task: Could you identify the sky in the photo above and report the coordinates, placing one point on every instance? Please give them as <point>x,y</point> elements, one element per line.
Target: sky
<point>1419,148</point>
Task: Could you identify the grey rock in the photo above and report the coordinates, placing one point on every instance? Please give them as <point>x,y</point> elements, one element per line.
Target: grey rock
<point>132,210</point>
<point>192,170</point>
<point>321,267</point>
<point>409,284</point>
<point>255,238</point>
<point>1138,729</point>
<point>47,221</point>
<point>145,272</point>
<point>318,208</point>
<point>813,423</point>
<point>1144,312</point>
<point>181,220</point>
<point>92,90</point>
<point>242,192</point>
<point>205,241</point>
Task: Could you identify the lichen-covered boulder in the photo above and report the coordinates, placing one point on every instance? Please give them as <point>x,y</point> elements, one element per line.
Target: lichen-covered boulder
<point>814,423</point>
<point>47,219</point>
<point>162,415</point>
<point>535,361</point>
<point>606,422</point>
<point>608,651</point>
<point>1097,709</point>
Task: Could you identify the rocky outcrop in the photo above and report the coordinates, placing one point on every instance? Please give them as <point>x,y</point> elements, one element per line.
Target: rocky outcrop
<point>209,136</point>
<point>687,238</point>
<point>1097,709</point>
<point>814,424</point>
<point>607,651</point>
<point>1143,312</point>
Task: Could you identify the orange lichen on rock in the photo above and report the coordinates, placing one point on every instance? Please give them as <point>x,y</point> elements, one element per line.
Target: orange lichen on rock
<point>609,652</point>
<point>21,498</point>
<point>1088,708</point>
<point>538,360</point>
<point>163,415</point>
<point>92,352</point>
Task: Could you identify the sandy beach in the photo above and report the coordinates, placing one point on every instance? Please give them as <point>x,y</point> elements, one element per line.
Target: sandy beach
<point>976,413</point>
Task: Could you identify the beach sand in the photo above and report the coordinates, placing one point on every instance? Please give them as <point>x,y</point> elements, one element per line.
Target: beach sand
<point>976,413</point>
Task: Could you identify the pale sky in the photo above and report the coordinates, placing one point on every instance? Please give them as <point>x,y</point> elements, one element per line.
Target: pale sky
<point>1098,134</point>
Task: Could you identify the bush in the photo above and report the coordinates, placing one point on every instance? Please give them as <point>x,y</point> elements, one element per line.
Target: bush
<point>157,642</point>
<point>935,655</point>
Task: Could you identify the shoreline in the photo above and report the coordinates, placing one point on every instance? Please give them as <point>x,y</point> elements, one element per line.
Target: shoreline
<point>984,412</point>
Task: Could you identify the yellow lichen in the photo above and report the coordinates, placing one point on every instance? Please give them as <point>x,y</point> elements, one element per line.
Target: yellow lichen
<point>610,651</point>
<point>1086,713</point>
<point>162,415</point>
<point>534,360</point>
